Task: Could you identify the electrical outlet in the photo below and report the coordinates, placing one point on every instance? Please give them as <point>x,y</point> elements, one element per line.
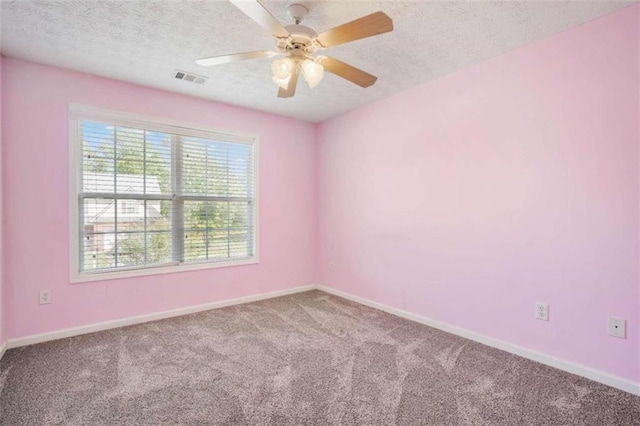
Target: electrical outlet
<point>45,297</point>
<point>618,327</point>
<point>332,266</point>
<point>542,311</point>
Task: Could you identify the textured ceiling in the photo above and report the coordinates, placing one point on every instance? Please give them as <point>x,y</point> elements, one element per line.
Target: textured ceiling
<point>143,41</point>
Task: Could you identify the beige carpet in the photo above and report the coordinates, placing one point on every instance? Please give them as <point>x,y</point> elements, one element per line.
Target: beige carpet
<point>309,358</point>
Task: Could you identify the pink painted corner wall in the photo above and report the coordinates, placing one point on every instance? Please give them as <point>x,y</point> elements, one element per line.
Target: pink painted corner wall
<point>637,329</point>
<point>2,322</point>
<point>469,198</point>
<point>35,170</point>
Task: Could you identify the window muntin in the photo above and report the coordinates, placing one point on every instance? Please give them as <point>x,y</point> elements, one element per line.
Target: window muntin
<point>157,198</point>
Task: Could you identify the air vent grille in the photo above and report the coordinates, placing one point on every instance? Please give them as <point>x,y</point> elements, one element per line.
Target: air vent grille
<point>190,77</point>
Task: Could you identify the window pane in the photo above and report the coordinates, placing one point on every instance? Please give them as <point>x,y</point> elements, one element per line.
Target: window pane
<point>98,151</point>
<point>158,215</point>
<point>195,166</point>
<point>158,225</point>
<point>158,163</point>
<point>158,247</point>
<point>218,243</point>
<point>240,170</point>
<point>206,214</point>
<point>98,233</point>
<point>195,224</point>
<point>131,249</point>
<point>100,214</point>
<point>217,168</point>
<point>130,215</point>
<point>228,243</point>
<point>98,236</point>
<point>130,157</point>
<point>218,214</point>
<point>99,182</point>
<point>98,251</point>
<point>238,242</point>
<point>239,214</point>
<point>195,246</point>
<point>195,215</point>
<point>98,157</point>
<point>217,230</point>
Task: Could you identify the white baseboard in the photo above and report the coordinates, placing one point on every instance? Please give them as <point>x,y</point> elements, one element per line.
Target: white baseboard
<point>3,349</point>
<point>570,367</point>
<point>92,328</point>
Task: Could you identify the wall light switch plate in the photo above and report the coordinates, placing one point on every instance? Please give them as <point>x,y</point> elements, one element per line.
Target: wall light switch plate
<point>618,327</point>
<point>542,311</point>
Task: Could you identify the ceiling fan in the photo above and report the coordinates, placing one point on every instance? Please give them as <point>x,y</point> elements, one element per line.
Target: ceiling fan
<point>299,44</point>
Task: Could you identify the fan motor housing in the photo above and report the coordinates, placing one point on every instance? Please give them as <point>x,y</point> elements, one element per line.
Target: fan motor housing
<point>301,39</point>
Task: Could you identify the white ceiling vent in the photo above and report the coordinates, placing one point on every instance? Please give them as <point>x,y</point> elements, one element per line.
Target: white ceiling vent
<point>187,76</point>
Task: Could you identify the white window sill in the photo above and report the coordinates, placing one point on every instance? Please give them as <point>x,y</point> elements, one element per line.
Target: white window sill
<point>146,271</point>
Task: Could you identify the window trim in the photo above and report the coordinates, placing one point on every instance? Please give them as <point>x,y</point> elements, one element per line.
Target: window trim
<point>79,112</point>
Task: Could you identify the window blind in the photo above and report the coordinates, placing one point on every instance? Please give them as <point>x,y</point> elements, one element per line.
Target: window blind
<point>152,198</point>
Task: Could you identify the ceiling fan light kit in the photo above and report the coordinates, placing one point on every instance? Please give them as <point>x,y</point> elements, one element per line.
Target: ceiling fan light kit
<point>299,44</point>
<point>283,68</point>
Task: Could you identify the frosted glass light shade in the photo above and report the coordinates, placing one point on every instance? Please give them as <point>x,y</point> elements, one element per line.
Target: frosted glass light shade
<point>313,72</point>
<point>282,82</point>
<point>282,68</point>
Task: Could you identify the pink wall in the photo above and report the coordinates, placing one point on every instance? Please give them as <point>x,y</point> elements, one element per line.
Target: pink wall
<point>35,130</point>
<point>637,328</point>
<point>2,322</point>
<point>469,198</point>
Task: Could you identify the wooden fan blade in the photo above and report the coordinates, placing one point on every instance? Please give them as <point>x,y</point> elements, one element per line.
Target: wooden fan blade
<point>348,72</point>
<point>367,26</point>
<point>225,59</point>
<point>256,11</point>
<point>291,88</point>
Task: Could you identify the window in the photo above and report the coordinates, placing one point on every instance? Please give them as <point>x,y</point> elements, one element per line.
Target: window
<point>150,197</point>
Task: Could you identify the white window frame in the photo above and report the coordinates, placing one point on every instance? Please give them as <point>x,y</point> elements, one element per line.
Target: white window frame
<point>77,113</point>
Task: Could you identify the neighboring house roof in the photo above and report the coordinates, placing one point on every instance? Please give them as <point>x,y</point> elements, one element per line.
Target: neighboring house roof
<point>103,211</point>
<point>104,182</point>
